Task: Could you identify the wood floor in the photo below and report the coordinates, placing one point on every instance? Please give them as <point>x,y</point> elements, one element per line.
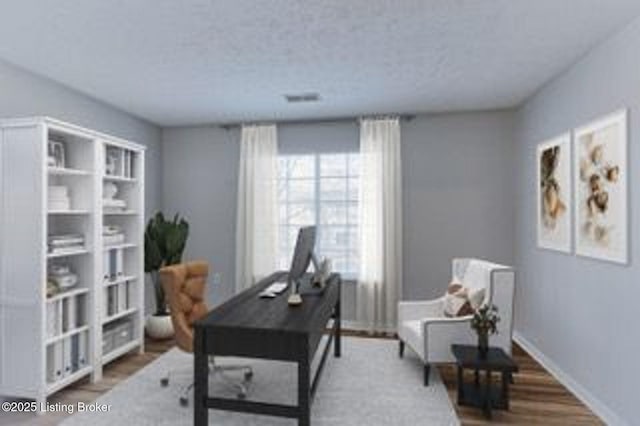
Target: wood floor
<point>536,397</point>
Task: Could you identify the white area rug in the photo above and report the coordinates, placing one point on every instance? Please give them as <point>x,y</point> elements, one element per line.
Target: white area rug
<point>369,385</point>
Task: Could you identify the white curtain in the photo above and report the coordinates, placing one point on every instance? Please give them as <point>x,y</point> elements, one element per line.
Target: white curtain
<point>257,210</point>
<point>380,220</point>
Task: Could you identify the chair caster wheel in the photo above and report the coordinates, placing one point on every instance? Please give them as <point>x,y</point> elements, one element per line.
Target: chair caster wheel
<point>248,375</point>
<point>184,402</point>
<point>164,382</point>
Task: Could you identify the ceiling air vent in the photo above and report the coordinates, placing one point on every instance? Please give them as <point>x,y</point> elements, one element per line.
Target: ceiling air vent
<point>302,97</point>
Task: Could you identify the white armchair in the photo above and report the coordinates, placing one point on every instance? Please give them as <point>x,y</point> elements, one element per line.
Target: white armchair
<point>423,326</point>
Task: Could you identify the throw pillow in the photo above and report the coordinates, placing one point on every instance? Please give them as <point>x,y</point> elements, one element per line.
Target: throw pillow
<point>456,301</point>
<point>476,297</point>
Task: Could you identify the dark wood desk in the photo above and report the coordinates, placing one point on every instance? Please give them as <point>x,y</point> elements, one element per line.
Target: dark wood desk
<point>254,327</point>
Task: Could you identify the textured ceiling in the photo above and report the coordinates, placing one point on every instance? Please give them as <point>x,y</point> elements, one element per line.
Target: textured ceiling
<point>177,62</point>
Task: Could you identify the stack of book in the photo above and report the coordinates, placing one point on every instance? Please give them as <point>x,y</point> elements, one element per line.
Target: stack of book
<point>66,243</point>
<point>58,198</point>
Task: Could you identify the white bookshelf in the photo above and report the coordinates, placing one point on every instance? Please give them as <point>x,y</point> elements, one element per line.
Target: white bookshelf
<point>50,341</point>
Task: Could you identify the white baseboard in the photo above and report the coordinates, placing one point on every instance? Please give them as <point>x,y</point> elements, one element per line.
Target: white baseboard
<point>598,407</point>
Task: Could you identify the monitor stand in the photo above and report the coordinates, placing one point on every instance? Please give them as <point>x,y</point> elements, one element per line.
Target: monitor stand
<point>305,286</point>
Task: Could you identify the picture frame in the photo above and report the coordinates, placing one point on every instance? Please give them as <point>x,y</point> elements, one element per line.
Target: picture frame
<point>554,194</point>
<point>601,188</point>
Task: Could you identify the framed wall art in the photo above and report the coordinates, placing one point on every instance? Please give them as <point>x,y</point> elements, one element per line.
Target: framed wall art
<point>553,164</point>
<point>601,199</point>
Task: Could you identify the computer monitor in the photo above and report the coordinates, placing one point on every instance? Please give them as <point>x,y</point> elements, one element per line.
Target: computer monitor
<point>303,254</point>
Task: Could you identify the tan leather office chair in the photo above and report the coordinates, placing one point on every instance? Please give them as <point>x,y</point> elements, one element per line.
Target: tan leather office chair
<point>185,288</point>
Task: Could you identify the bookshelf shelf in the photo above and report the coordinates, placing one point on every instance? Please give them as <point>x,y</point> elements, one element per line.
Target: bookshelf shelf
<point>120,246</point>
<point>69,212</point>
<point>119,315</point>
<point>119,351</point>
<point>61,171</point>
<point>63,383</point>
<point>122,179</point>
<point>67,294</point>
<point>67,334</point>
<point>68,253</point>
<point>119,280</point>
<point>68,170</point>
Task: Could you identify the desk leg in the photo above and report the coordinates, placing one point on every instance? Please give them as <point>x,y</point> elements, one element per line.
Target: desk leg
<point>338,330</point>
<point>304,390</point>
<point>201,380</point>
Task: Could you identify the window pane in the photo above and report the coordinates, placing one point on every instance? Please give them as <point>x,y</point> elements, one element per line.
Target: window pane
<point>354,164</point>
<point>352,213</point>
<point>301,190</point>
<point>333,214</point>
<point>354,185</point>
<point>333,189</point>
<point>333,165</point>
<point>301,214</point>
<point>302,166</point>
<point>334,238</point>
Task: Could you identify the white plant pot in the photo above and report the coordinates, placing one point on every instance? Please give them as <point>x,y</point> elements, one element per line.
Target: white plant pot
<point>159,326</point>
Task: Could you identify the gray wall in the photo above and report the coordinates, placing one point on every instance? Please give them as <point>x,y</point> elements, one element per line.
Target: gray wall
<point>582,313</point>
<point>23,94</point>
<point>457,190</point>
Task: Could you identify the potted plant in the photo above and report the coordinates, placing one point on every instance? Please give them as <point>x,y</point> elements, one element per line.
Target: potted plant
<point>164,243</point>
<point>485,323</point>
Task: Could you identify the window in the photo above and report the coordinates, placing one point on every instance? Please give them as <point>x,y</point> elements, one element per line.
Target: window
<point>321,190</point>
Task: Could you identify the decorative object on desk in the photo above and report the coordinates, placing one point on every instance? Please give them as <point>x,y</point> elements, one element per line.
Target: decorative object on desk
<point>485,322</point>
<point>601,189</point>
<point>554,194</point>
<point>56,154</point>
<point>322,272</point>
<point>164,244</point>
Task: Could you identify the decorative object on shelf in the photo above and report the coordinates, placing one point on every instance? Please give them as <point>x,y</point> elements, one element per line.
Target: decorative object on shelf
<point>485,323</point>
<point>58,198</point>
<point>109,203</point>
<point>61,276</point>
<point>554,194</point>
<point>601,188</point>
<point>65,243</point>
<point>52,288</point>
<point>112,161</point>
<point>112,234</point>
<point>164,244</point>
<point>56,154</point>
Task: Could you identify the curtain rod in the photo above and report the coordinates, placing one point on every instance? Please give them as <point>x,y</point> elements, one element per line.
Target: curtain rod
<point>402,117</point>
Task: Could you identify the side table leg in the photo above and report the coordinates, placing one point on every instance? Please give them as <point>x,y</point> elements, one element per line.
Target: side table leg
<point>487,395</point>
<point>506,379</point>
<point>477,377</point>
<point>460,386</point>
